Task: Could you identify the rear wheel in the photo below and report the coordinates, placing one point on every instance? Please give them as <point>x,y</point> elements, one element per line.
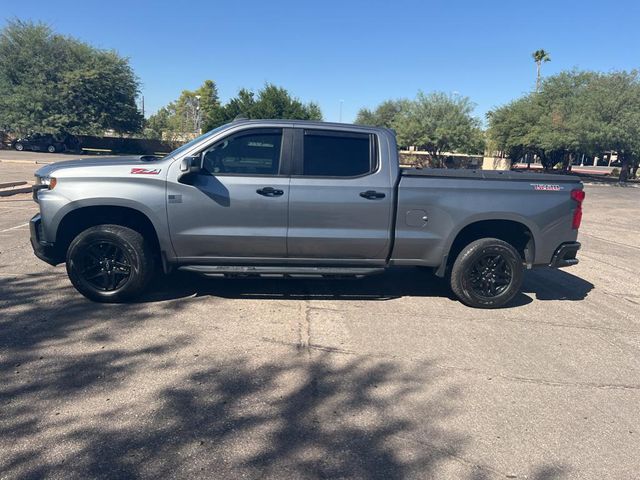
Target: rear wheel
<point>487,273</point>
<point>19,147</point>
<point>51,149</point>
<point>109,263</point>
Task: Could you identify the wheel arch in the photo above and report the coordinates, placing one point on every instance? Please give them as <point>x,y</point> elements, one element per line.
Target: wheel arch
<point>75,220</point>
<point>513,231</point>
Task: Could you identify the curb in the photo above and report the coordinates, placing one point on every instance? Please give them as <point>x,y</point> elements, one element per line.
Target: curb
<point>15,191</point>
<point>28,162</point>
<point>12,184</point>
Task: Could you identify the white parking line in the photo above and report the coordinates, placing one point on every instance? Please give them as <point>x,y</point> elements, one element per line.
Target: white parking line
<point>14,228</point>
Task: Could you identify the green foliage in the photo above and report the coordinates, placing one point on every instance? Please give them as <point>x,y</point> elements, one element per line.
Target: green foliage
<point>439,123</point>
<point>574,113</point>
<point>51,84</point>
<point>540,56</point>
<point>384,115</point>
<point>239,106</point>
<point>276,102</point>
<point>193,111</point>
<point>271,102</point>
<point>210,107</point>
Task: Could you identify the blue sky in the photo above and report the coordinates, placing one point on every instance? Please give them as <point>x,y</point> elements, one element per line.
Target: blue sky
<point>361,52</point>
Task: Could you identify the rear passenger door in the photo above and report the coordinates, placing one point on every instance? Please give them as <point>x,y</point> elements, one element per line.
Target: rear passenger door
<point>340,199</point>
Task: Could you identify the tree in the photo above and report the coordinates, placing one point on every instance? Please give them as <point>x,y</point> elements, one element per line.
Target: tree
<point>52,84</point>
<point>276,102</point>
<point>178,118</point>
<point>271,102</point>
<point>610,117</point>
<point>239,106</point>
<point>574,113</point>
<point>439,123</point>
<point>211,111</point>
<point>383,116</point>
<point>540,56</point>
<point>159,124</point>
<point>510,129</point>
<point>194,111</point>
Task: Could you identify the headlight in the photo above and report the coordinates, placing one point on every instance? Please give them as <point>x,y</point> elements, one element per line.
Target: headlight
<point>45,182</point>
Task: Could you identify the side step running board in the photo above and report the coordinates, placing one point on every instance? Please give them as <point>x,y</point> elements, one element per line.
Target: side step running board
<point>289,271</point>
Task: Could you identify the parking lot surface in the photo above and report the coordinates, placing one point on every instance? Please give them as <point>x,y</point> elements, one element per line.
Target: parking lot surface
<point>385,377</point>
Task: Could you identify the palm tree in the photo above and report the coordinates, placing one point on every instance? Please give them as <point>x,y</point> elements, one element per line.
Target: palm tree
<point>540,56</point>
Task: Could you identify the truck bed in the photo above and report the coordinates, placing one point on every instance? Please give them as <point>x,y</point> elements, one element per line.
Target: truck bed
<point>488,175</point>
<point>435,204</point>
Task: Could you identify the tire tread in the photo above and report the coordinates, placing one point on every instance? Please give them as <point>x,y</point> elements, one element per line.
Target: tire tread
<point>462,262</point>
<point>132,240</point>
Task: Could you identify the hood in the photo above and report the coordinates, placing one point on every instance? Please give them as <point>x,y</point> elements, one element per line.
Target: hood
<point>97,162</point>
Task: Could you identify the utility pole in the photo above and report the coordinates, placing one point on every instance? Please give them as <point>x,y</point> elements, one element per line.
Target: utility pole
<point>142,106</point>
<point>340,118</point>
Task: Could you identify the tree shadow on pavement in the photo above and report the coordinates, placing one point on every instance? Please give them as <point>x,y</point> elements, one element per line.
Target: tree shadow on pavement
<point>299,416</point>
<point>303,413</point>
<point>79,402</point>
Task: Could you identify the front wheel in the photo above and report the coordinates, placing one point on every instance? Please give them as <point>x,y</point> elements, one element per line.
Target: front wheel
<point>109,263</point>
<point>19,147</point>
<point>51,149</point>
<point>487,273</point>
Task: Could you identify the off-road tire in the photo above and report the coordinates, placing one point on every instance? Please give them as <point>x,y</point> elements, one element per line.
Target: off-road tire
<point>133,251</point>
<point>476,258</point>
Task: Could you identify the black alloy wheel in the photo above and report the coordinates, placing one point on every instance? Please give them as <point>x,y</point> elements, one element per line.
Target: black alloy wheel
<point>105,266</point>
<point>487,273</point>
<point>110,263</point>
<point>490,275</point>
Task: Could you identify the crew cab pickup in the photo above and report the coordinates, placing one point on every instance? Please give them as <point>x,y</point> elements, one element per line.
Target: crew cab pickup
<point>266,197</point>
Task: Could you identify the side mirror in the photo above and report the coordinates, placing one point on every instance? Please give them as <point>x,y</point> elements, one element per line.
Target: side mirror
<point>191,164</point>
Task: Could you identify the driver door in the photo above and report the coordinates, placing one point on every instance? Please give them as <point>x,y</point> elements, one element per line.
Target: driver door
<point>237,206</point>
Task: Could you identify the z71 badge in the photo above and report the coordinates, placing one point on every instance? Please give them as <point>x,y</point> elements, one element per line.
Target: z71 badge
<point>145,171</point>
<point>548,187</point>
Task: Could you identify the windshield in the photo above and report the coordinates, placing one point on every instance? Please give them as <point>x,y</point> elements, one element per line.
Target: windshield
<point>188,145</point>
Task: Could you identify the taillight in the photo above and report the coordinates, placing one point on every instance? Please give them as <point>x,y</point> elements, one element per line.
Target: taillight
<point>578,196</point>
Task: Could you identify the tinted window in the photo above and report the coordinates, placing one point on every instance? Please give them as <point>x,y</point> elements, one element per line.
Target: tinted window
<point>336,154</point>
<point>255,152</point>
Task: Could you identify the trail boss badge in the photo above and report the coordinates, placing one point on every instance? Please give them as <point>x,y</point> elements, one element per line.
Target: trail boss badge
<point>548,187</point>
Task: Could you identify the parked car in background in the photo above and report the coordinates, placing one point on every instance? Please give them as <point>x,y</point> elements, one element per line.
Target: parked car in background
<point>39,142</point>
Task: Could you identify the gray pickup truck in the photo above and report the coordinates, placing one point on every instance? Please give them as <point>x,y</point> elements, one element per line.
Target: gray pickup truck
<point>299,198</point>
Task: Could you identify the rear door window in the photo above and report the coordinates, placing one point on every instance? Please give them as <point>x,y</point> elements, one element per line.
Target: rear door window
<point>337,154</point>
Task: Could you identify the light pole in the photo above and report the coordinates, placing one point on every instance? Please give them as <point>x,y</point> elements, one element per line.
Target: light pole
<point>340,117</point>
<point>197,114</point>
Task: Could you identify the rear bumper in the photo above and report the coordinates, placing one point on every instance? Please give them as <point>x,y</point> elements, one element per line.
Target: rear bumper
<point>565,255</point>
<point>45,251</point>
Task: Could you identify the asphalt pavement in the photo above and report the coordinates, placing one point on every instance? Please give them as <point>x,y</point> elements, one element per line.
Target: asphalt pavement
<point>385,377</point>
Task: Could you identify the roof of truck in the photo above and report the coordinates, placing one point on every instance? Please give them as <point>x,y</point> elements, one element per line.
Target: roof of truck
<point>310,123</point>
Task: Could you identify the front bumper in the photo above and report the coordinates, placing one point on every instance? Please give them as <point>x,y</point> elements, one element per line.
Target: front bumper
<point>565,255</point>
<point>45,251</point>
